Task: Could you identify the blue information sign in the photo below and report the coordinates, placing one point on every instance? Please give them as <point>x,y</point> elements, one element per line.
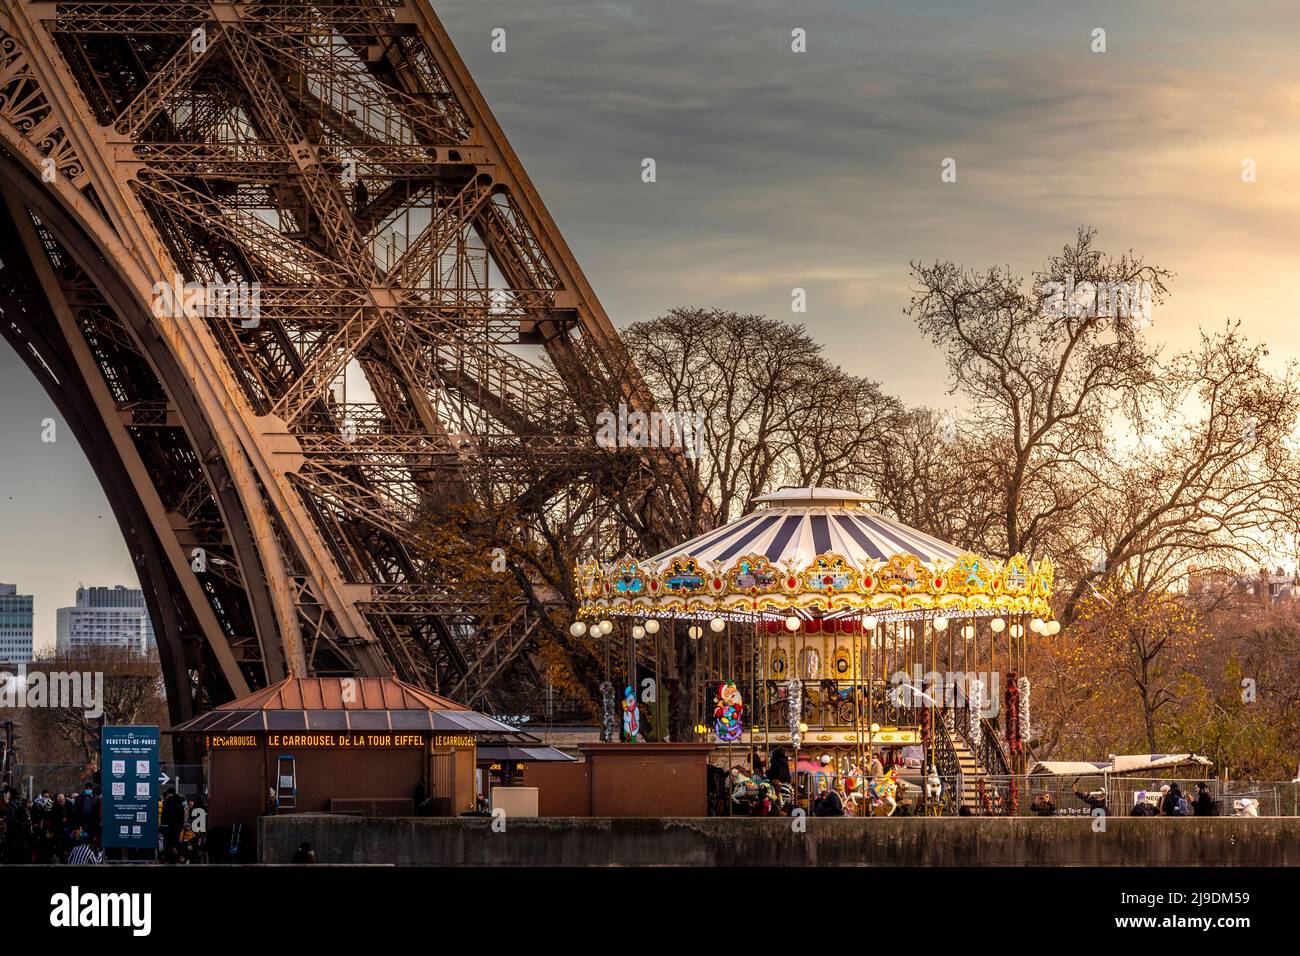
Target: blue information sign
<point>129,776</point>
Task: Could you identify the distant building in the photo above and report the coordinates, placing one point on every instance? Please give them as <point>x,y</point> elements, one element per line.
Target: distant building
<point>1264,587</point>
<point>105,617</point>
<point>16,612</point>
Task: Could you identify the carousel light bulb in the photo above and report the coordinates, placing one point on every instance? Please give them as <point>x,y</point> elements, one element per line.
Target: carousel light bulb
<point>940,623</point>
<point>606,626</point>
<point>717,624</point>
<point>695,631</point>
<point>825,759</point>
<point>652,626</point>
<point>1016,630</point>
<point>1053,627</point>
<point>638,632</point>
<point>875,728</point>
<point>792,623</point>
<point>968,631</point>
<point>870,622</point>
<point>1036,625</point>
<point>803,728</point>
<point>997,624</point>
<point>577,628</point>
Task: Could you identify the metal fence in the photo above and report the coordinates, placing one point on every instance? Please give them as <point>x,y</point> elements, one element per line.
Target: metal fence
<point>986,795</point>
<point>992,795</point>
<point>1020,795</point>
<point>29,779</point>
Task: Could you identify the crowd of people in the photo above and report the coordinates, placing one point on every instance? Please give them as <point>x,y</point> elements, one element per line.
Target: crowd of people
<point>66,827</point>
<point>51,828</point>
<point>1169,801</point>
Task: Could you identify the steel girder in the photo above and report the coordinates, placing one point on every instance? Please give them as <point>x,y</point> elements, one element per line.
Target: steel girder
<point>337,158</point>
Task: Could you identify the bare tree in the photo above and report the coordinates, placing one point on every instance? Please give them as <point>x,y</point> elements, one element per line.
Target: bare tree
<point>926,480</point>
<point>1044,374</point>
<point>132,694</point>
<point>1217,482</point>
<point>774,411</point>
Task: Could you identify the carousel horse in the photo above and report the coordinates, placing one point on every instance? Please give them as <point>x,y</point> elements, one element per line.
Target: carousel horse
<point>884,793</point>
<point>757,794</point>
<point>753,793</point>
<point>853,787</point>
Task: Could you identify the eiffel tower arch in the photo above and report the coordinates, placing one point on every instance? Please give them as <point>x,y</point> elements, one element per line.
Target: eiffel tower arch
<point>292,290</point>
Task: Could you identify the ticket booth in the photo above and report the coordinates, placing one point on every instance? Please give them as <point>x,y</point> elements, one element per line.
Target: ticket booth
<point>452,783</point>
<point>358,746</point>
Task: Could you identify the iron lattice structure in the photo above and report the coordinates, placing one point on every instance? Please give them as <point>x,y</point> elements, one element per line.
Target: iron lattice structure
<point>334,165</point>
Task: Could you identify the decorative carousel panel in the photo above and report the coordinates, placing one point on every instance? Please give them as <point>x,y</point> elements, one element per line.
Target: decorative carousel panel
<point>790,580</point>
<point>1016,576</point>
<point>716,581</point>
<point>904,574</point>
<point>753,575</point>
<point>683,577</point>
<point>886,602</point>
<point>767,604</point>
<point>1044,576</point>
<point>629,580</point>
<point>830,574</point>
<point>972,574</point>
<point>588,580</point>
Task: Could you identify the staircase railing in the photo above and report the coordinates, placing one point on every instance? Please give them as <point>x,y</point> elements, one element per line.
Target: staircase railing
<point>990,753</point>
<point>947,765</point>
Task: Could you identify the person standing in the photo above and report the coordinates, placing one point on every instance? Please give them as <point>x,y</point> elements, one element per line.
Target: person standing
<point>61,813</point>
<point>18,829</point>
<point>1204,805</point>
<point>1161,799</point>
<point>83,808</point>
<point>1095,800</point>
<point>780,766</point>
<point>171,820</point>
<point>1175,804</point>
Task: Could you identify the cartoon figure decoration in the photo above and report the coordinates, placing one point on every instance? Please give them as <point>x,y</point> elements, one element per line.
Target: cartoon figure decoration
<point>631,717</point>
<point>728,708</point>
<point>884,793</point>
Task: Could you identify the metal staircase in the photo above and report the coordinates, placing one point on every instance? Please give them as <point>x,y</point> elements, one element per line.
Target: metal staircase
<point>970,770</point>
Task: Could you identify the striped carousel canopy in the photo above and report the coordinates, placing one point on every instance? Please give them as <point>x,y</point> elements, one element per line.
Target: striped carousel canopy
<point>815,552</point>
<point>794,525</point>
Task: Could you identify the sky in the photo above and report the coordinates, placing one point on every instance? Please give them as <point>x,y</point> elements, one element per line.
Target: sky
<point>820,170</point>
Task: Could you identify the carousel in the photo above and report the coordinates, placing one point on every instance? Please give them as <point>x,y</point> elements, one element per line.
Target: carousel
<point>823,637</point>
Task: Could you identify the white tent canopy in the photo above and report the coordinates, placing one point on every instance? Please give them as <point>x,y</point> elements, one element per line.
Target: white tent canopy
<point>1120,764</point>
<point>1068,768</point>
<point>1136,763</point>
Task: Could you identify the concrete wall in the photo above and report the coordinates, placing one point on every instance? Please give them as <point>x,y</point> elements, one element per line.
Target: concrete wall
<point>720,841</point>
